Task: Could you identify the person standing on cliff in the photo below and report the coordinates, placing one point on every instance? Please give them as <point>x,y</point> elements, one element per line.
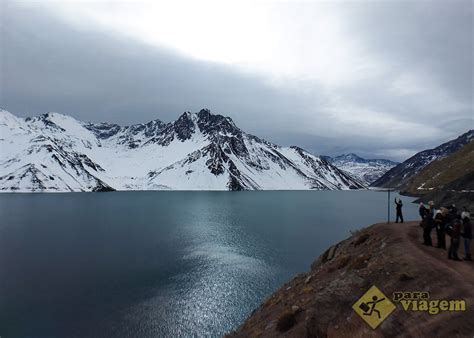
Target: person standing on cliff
<point>440,223</point>
<point>399,206</point>
<point>467,234</point>
<point>455,237</point>
<point>422,210</point>
<point>454,209</point>
<point>428,224</point>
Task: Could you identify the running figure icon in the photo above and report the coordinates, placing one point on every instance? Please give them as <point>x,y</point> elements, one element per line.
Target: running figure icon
<point>369,307</point>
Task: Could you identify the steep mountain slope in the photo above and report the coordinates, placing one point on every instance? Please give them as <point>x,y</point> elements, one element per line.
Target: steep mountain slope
<point>399,176</point>
<point>54,152</point>
<point>459,192</point>
<point>439,173</point>
<point>447,181</point>
<point>37,154</point>
<point>366,170</point>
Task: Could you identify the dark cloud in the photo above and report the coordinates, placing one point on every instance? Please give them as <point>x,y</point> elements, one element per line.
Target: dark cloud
<point>50,66</point>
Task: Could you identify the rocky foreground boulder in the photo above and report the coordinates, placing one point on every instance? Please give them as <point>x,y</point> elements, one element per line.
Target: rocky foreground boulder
<point>389,256</point>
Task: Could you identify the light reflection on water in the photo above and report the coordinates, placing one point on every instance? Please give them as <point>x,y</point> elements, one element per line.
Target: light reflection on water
<point>221,284</point>
<point>161,263</point>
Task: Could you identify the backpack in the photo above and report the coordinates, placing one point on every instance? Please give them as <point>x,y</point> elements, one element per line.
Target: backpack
<point>449,230</point>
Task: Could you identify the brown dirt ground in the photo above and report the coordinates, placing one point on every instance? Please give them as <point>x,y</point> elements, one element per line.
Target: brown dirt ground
<point>390,256</point>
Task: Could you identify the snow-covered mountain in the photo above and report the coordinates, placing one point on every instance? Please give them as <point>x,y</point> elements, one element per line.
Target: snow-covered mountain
<point>399,176</point>
<point>366,170</point>
<point>198,151</point>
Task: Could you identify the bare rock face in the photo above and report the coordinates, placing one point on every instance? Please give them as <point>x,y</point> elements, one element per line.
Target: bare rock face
<point>391,257</point>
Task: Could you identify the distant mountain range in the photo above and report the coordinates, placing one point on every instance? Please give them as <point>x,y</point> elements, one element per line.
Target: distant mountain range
<point>401,176</point>
<point>366,170</point>
<point>198,151</point>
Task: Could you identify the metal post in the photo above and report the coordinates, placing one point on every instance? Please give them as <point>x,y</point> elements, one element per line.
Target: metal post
<point>388,207</point>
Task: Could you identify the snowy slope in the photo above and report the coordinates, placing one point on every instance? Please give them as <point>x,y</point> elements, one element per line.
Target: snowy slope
<point>198,151</point>
<point>47,153</point>
<point>367,170</point>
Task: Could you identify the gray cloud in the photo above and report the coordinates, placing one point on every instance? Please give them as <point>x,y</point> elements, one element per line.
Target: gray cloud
<point>424,97</point>
<point>433,36</point>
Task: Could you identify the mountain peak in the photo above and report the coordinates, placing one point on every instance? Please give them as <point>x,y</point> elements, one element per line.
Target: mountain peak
<point>5,114</point>
<point>366,170</point>
<point>350,157</point>
<point>215,123</point>
<point>51,118</point>
<point>9,120</point>
<point>53,115</point>
<point>205,111</point>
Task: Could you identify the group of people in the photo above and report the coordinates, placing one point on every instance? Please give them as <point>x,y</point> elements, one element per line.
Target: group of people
<point>447,221</point>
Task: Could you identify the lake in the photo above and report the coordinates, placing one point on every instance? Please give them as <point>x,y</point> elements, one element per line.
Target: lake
<point>162,263</point>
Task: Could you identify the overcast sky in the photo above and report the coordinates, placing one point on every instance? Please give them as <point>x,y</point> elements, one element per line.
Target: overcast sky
<point>379,78</point>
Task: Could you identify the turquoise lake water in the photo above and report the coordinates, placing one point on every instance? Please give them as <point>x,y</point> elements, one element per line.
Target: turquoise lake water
<point>149,264</point>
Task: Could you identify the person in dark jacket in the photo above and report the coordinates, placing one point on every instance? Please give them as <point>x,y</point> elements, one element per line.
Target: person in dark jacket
<point>450,217</point>
<point>454,208</point>
<point>455,237</point>
<point>427,225</point>
<point>399,206</point>
<point>440,223</point>
<point>453,212</point>
<point>467,234</point>
<point>422,210</point>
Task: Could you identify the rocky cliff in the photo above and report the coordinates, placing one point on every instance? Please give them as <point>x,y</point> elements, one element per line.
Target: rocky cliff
<point>390,256</point>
